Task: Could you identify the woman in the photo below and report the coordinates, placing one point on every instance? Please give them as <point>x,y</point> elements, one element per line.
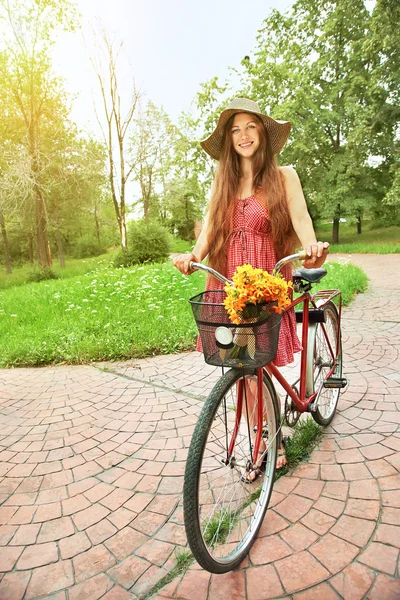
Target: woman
<point>257,212</point>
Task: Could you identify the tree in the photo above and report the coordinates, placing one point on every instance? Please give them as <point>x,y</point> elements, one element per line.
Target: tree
<point>26,72</point>
<point>116,132</point>
<point>309,66</point>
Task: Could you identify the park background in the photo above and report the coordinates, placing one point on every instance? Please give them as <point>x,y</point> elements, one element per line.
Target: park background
<point>90,213</point>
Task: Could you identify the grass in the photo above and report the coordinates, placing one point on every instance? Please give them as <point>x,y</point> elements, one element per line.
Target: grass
<point>350,279</point>
<point>184,558</point>
<point>110,314</point>
<point>74,267</point>
<point>380,240</point>
<point>298,448</point>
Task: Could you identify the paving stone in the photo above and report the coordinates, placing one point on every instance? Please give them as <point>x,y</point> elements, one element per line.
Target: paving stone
<point>353,582</point>
<point>89,516</point>
<point>101,531</point>
<point>380,557</point>
<point>92,588</point>
<point>365,489</point>
<point>334,553</point>
<point>13,585</point>
<point>300,571</point>
<point>385,588</point>
<point>156,552</point>
<point>229,585</point>
<point>267,550</point>
<point>49,579</point>
<point>73,545</point>
<point>55,530</point>
<point>38,556</point>
<point>309,488</point>
<point>272,523</point>
<point>294,507</point>
<point>319,592</point>
<point>8,558</point>
<point>127,572</point>
<point>363,509</point>
<point>263,583</point>
<point>298,537</point>
<point>25,535</point>
<point>331,507</point>
<point>388,534</point>
<point>318,521</point>
<point>93,561</point>
<point>194,584</point>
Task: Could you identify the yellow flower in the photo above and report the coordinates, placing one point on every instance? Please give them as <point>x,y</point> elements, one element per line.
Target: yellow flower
<point>254,286</point>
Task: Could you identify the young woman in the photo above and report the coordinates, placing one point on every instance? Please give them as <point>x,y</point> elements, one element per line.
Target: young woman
<point>257,212</point>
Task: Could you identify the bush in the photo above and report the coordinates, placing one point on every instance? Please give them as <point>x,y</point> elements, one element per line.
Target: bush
<point>87,246</point>
<point>42,275</point>
<point>148,242</point>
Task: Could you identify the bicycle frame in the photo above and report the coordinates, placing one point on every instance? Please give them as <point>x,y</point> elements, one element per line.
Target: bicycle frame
<point>307,394</point>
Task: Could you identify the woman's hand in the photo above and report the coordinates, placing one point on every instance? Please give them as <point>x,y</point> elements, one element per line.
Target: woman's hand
<point>316,255</point>
<point>182,262</point>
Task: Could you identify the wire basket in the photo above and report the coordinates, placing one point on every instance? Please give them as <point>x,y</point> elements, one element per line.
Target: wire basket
<point>253,343</point>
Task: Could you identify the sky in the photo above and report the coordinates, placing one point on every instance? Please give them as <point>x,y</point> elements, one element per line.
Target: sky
<point>170,47</point>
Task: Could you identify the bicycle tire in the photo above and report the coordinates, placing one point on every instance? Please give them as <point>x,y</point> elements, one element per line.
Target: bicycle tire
<point>221,528</point>
<point>323,360</point>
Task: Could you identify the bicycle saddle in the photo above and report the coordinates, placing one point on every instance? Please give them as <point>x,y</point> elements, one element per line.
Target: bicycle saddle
<point>310,275</point>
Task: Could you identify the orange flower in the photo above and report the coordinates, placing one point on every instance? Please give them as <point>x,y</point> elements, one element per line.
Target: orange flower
<point>254,286</point>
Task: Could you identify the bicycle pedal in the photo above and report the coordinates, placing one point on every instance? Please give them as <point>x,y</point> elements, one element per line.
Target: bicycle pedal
<point>335,382</point>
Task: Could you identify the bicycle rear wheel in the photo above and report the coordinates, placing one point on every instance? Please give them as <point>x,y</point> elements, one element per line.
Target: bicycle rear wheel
<point>327,336</point>
<point>222,512</point>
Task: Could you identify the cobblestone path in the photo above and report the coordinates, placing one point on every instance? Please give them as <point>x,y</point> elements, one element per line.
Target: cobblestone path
<point>91,474</point>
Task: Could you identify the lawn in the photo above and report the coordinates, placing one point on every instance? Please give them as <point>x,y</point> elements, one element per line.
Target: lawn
<point>381,240</point>
<point>109,313</point>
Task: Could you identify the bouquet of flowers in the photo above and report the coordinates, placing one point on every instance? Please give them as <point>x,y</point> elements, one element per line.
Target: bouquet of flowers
<point>254,296</point>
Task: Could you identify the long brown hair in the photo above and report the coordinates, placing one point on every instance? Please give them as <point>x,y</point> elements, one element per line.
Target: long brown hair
<point>268,182</point>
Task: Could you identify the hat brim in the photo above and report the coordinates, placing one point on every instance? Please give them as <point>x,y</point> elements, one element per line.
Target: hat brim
<point>278,132</point>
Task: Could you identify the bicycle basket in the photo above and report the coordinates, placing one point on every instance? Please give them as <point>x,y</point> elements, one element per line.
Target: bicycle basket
<point>252,343</point>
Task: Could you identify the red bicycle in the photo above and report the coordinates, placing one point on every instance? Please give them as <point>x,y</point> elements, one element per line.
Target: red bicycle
<point>231,463</point>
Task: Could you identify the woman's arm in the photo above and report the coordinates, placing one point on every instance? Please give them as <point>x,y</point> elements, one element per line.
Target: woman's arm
<point>200,251</point>
<point>301,220</point>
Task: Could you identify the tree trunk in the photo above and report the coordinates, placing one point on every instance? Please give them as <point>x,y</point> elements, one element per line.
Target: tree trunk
<point>359,224</point>
<point>96,220</point>
<point>7,257</point>
<point>31,250</point>
<point>335,231</point>
<point>335,226</point>
<point>60,248</point>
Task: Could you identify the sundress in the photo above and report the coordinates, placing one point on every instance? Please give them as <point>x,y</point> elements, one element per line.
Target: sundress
<point>250,242</point>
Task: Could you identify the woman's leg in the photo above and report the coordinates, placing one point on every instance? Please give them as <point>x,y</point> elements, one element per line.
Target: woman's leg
<point>250,415</point>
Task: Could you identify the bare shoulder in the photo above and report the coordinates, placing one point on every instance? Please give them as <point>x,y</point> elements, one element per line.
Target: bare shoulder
<point>289,174</point>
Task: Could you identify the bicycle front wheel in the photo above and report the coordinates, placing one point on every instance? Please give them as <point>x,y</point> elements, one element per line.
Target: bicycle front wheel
<point>223,510</point>
<point>327,339</point>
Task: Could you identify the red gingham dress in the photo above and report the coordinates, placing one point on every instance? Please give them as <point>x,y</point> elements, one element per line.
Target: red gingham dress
<point>250,242</point>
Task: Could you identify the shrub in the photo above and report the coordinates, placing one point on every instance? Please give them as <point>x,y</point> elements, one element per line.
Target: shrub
<point>42,275</point>
<point>148,242</point>
<point>86,246</point>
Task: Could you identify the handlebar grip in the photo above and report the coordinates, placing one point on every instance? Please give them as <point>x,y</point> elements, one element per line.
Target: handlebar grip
<point>302,255</point>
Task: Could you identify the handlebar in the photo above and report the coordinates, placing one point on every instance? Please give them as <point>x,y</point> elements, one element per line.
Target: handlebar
<point>279,265</point>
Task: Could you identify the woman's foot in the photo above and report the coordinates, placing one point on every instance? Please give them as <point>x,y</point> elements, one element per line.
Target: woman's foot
<point>281,459</point>
<point>249,476</point>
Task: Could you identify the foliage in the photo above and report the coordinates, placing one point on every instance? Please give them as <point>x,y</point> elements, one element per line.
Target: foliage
<point>306,436</point>
<point>148,242</point>
<point>87,245</point>
<point>42,275</point>
<point>107,314</point>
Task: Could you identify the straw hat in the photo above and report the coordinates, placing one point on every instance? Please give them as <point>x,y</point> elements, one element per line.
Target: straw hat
<point>278,131</point>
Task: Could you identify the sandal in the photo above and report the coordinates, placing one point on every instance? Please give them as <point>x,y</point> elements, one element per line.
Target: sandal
<point>257,472</point>
<point>282,453</point>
